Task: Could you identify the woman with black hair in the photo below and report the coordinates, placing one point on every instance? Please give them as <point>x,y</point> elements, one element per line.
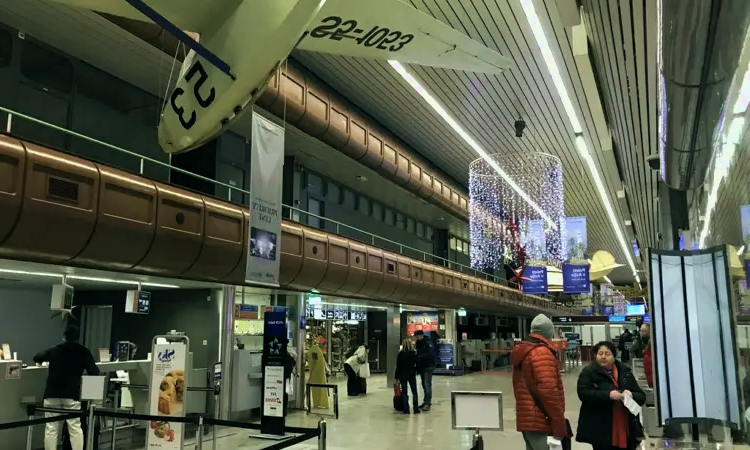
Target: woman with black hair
<point>604,421</point>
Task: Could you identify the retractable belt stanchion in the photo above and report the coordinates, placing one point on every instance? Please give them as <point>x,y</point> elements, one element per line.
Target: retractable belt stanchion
<point>118,386</point>
<point>91,428</point>
<point>30,428</point>
<point>322,438</point>
<point>217,401</point>
<point>199,434</point>
<point>477,441</point>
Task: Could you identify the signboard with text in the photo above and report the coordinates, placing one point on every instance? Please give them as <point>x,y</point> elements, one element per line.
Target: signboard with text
<point>274,356</point>
<point>576,279</point>
<point>537,280</point>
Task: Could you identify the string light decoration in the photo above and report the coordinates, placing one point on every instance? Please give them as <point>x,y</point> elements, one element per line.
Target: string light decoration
<point>504,227</point>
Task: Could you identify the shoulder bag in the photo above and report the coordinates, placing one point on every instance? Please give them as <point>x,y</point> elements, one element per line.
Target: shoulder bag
<point>567,442</point>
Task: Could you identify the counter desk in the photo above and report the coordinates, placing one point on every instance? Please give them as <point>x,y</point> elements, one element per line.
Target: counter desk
<point>17,393</point>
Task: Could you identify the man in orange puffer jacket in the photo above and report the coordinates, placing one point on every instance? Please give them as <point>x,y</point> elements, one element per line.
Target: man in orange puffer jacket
<point>535,366</point>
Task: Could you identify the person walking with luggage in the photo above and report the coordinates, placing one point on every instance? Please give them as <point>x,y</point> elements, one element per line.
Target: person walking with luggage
<point>426,366</point>
<point>406,374</point>
<point>538,388</point>
<point>604,421</point>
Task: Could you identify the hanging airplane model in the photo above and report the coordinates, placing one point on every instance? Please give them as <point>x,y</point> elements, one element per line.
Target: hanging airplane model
<point>243,42</point>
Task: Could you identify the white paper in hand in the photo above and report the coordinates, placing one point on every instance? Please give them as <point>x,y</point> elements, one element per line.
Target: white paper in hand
<point>553,443</point>
<point>633,407</point>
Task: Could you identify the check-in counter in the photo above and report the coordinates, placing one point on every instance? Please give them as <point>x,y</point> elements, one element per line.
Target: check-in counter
<point>17,393</point>
<point>247,383</point>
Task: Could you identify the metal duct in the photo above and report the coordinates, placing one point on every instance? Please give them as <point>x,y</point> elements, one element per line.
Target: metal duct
<point>701,43</point>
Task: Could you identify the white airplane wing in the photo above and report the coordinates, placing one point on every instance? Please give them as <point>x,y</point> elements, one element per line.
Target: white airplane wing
<point>189,15</point>
<point>392,29</point>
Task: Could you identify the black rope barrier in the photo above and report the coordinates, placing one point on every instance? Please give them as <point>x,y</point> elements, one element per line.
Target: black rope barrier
<point>288,442</point>
<point>144,417</point>
<point>43,420</point>
<point>310,432</point>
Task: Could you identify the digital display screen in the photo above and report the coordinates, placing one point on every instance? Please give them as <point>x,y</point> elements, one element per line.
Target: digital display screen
<point>144,302</point>
<point>617,319</point>
<point>635,310</point>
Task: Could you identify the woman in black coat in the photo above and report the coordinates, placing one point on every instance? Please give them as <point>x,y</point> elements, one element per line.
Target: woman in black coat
<point>406,374</point>
<point>604,422</point>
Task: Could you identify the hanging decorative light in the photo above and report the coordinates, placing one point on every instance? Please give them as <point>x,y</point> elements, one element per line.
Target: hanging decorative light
<point>506,227</point>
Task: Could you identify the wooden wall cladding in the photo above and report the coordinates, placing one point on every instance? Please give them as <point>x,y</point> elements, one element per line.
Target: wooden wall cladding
<point>61,209</point>
<point>299,97</point>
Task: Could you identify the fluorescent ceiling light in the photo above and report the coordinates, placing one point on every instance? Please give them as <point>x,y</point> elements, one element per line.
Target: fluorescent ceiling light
<point>549,59</point>
<point>353,306</point>
<point>606,278</point>
<point>739,252</point>
<point>638,279</point>
<point>409,78</point>
<point>85,278</point>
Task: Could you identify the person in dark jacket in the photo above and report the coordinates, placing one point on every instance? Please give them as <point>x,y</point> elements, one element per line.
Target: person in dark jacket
<point>604,421</point>
<point>625,344</point>
<point>406,374</point>
<point>67,363</point>
<point>538,387</point>
<point>426,366</point>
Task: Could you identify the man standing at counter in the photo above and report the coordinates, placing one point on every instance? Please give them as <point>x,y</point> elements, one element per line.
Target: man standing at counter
<point>67,362</point>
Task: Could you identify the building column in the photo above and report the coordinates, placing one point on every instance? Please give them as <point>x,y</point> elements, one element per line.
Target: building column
<point>392,346</point>
<point>299,342</point>
<point>225,304</point>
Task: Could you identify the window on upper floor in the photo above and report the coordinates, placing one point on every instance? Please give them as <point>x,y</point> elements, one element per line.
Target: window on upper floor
<point>46,67</point>
<point>6,48</point>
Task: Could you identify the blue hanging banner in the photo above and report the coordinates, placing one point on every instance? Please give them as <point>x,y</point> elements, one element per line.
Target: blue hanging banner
<point>576,278</point>
<point>747,270</point>
<point>537,280</point>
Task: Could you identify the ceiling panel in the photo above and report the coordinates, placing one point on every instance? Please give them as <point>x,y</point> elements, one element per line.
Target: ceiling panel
<point>622,36</point>
<point>486,105</point>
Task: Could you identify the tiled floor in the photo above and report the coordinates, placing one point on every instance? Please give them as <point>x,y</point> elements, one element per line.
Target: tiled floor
<point>369,422</point>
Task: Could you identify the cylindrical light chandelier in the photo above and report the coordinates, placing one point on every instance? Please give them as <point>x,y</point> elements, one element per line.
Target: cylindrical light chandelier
<point>516,210</point>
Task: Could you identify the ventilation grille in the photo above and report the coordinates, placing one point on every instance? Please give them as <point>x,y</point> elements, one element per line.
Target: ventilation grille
<point>62,189</point>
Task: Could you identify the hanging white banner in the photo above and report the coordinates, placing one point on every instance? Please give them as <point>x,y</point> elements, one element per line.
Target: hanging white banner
<point>167,395</point>
<point>266,173</point>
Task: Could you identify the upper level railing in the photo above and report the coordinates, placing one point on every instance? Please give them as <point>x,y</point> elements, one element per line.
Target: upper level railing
<point>340,228</point>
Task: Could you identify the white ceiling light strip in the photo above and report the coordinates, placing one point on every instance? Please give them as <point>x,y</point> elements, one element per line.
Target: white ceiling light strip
<point>85,278</point>
<point>549,59</point>
<point>467,138</point>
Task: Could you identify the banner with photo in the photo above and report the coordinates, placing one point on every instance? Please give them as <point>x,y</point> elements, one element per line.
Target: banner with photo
<point>745,221</point>
<point>537,280</point>
<point>576,279</point>
<point>576,239</point>
<point>266,172</point>
<point>421,320</point>
<point>167,395</point>
<point>534,239</point>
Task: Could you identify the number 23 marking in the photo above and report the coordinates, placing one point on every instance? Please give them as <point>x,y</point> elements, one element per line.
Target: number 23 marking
<point>204,102</point>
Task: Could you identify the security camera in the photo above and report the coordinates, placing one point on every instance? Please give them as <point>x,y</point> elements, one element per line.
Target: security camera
<point>520,125</point>
<point>654,161</point>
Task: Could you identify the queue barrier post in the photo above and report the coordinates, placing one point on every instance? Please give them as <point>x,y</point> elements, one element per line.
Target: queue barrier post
<point>91,427</point>
<point>323,427</point>
<point>117,387</point>
<point>199,434</point>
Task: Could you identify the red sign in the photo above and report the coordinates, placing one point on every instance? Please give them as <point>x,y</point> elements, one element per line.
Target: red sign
<point>424,321</point>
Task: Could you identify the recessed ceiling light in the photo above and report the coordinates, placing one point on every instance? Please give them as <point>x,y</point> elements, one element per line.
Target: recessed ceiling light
<point>361,178</point>
<point>441,218</point>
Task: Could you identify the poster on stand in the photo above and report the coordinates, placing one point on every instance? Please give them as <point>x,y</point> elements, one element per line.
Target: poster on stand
<point>576,239</point>
<point>537,280</point>
<point>422,320</point>
<point>274,357</point>
<point>576,279</point>
<point>167,395</point>
<point>266,172</point>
